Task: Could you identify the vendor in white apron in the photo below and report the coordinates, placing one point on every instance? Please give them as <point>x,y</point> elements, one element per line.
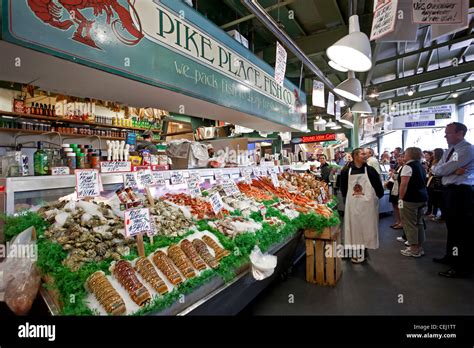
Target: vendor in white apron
<point>362,188</point>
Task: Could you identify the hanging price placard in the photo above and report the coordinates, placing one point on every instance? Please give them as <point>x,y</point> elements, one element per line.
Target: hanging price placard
<point>177,178</point>
<point>193,186</point>
<point>246,174</point>
<point>137,221</point>
<point>230,188</point>
<point>87,183</point>
<point>216,202</point>
<point>130,180</point>
<point>159,178</point>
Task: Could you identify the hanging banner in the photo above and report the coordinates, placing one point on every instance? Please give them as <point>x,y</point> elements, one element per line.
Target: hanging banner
<point>338,110</point>
<point>318,94</point>
<point>280,64</point>
<point>405,29</point>
<point>384,20</point>
<point>330,110</point>
<point>437,11</point>
<point>438,30</point>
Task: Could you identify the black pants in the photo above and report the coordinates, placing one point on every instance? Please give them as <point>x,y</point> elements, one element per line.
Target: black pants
<point>458,211</point>
<point>434,200</point>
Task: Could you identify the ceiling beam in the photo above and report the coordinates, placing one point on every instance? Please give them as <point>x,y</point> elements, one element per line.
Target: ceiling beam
<point>251,16</point>
<point>370,73</point>
<point>311,45</point>
<point>433,75</point>
<point>432,47</point>
<point>426,94</point>
<point>423,44</point>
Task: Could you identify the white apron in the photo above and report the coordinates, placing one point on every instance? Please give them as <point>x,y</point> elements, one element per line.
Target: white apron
<point>361,213</point>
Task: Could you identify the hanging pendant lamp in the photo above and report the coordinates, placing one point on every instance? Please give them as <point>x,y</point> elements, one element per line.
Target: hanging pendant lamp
<point>350,88</point>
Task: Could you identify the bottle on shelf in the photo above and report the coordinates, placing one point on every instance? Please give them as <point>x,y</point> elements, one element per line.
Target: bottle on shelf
<point>40,160</point>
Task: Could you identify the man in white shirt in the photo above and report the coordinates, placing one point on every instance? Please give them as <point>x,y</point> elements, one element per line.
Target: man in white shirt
<point>372,161</point>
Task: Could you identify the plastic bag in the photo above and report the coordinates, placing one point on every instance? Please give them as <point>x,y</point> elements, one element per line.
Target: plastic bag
<point>22,278</point>
<point>263,265</point>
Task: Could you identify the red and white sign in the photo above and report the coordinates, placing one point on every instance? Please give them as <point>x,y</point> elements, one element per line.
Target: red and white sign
<point>318,137</point>
<point>384,20</point>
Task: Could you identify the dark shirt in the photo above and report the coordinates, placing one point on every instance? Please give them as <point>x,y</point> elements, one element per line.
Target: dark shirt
<point>374,178</point>
<point>147,145</point>
<point>325,171</point>
<point>416,189</point>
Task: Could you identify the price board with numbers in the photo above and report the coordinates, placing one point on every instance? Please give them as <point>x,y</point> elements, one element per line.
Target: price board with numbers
<point>87,183</point>
<point>216,202</point>
<point>159,178</point>
<point>177,178</point>
<point>193,186</point>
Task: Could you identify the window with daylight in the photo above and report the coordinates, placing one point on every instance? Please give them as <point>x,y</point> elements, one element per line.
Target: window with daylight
<point>426,138</point>
<point>469,122</point>
<point>391,140</point>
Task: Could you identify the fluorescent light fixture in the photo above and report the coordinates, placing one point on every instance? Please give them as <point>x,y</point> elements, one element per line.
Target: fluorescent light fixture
<point>336,66</point>
<point>350,88</point>
<point>331,123</point>
<point>362,107</point>
<point>410,91</point>
<point>455,95</point>
<point>353,50</point>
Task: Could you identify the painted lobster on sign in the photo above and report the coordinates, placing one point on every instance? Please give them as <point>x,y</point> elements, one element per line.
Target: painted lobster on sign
<point>50,13</point>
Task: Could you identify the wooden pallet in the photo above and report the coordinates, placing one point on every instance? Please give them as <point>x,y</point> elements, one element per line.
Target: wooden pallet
<point>322,269</point>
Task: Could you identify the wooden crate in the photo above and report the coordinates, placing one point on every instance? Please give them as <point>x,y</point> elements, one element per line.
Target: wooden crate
<point>320,269</point>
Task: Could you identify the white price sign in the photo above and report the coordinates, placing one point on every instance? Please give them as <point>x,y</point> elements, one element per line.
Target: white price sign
<point>87,183</point>
<point>230,188</point>
<point>159,178</point>
<point>275,180</point>
<point>137,221</point>
<point>130,180</point>
<point>177,178</point>
<point>280,64</point>
<point>273,170</point>
<point>115,166</point>
<point>263,171</point>
<point>60,171</point>
<point>246,174</point>
<point>193,186</point>
<point>216,202</point>
<point>145,179</point>
<point>384,20</point>
<point>218,175</point>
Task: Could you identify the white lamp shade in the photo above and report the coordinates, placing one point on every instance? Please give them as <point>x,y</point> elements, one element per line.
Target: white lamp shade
<point>336,127</point>
<point>320,122</point>
<point>350,88</point>
<point>331,123</point>
<point>362,107</point>
<point>347,124</point>
<point>336,66</point>
<point>353,50</point>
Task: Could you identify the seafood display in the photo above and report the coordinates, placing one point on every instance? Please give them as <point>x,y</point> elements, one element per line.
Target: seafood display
<point>232,226</point>
<point>180,259</point>
<point>166,266</point>
<point>202,250</point>
<point>200,209</point>
<point>168,220</point>
<point>89,232</point>
<point>125,274</point>
<point>145,268</point>
<point>108,297</point>
<point>255,192</point>
<point>192,254</point>
<point>219,252</point>
<point>307,184</point>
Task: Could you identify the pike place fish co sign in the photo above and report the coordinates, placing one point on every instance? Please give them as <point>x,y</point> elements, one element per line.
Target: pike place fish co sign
<point>165,43</point>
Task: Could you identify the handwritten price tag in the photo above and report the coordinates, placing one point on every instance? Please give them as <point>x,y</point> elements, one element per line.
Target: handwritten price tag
<point>87,183</point>
<point>273,170</point>
<point>159,178</point>
<point>263,171</point>
<point>218,175</point>
<point>256,171</point>
<point>263,211</point>
<point>137,221</point>
<point>145,179</point>
<point>246,174</point>
<point>115,166</point>
<point>60,171</point>
<point>275,180</point>
<point>193,187</point>
<point>230,188</point>
<point>130,180</point>
<point>177,178</point>
<point>216,202</point>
